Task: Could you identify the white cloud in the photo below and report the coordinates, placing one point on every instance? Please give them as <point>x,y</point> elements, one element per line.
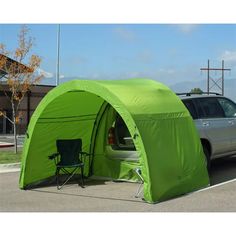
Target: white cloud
<point>124,33</point>
<point>229,56</point>
<point>187,28</point>
<point>48,75</point>
<point>45,73</point>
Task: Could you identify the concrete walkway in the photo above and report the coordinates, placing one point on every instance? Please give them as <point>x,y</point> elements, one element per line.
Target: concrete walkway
<point>12,167</point>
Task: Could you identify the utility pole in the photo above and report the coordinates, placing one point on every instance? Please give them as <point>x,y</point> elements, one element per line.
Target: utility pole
<point>58,55</point>
<point>215,82</point>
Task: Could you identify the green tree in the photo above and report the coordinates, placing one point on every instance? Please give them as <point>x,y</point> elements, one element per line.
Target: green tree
<point>196,90</point>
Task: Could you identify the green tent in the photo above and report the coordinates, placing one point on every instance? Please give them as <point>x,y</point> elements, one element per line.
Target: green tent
<point>165,137</point>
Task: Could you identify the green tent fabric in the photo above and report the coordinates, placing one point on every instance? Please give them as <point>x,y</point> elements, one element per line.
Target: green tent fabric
<point>166,140</point>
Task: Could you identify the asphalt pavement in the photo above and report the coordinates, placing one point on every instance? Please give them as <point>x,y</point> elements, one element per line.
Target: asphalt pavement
<point>108,196</point>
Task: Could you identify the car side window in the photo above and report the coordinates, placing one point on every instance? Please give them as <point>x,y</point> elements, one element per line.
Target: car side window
<point>191,108</point>
<point>228,106</point>
<point>211,108</point>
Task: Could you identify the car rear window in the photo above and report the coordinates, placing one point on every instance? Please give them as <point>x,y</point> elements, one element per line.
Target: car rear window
<point>191,107</point>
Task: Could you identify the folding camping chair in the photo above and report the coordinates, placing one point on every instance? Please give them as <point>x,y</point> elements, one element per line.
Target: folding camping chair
<point>68,159</point>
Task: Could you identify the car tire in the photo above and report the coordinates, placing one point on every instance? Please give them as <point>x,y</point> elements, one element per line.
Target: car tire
<point>207,157</point>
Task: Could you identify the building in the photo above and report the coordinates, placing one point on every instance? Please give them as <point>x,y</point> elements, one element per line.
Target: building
<point>29,102</point>
<point>27,107</point>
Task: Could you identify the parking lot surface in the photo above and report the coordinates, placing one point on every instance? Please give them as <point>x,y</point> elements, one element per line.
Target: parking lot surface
<point>108,196</point>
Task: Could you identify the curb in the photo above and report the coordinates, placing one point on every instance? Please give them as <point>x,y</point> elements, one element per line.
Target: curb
<point>6,145</point>
<point>11,167</point>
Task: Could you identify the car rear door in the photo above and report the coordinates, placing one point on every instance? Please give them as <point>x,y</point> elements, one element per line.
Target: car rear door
<point>214,124</point>
<point>229,108</point>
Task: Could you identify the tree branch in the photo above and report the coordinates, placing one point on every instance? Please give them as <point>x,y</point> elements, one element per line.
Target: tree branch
<point>3,114</point>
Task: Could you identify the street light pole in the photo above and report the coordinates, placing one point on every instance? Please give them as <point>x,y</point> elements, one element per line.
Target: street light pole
<point>58,55</point>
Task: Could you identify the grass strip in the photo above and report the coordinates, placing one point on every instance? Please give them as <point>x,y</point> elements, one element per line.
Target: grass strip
<point>9,157</point>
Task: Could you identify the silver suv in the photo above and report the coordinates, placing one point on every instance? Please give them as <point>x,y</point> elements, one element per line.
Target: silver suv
<point>215,119</point>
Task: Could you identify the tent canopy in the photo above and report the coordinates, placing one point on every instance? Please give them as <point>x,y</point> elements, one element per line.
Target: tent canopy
<point>169,151</point>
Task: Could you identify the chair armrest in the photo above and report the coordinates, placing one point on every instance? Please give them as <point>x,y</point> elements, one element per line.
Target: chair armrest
<point>53,156</point>
<point>85,153</point>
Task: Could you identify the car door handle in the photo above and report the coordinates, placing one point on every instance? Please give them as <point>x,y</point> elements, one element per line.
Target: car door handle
<point>205,123</point>
<point>231,122</point>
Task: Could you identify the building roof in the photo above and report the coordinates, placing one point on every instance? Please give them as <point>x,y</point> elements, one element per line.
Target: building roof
<point>9,61</point>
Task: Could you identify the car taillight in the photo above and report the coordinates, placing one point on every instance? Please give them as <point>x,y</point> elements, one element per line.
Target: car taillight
<point>111,136</point>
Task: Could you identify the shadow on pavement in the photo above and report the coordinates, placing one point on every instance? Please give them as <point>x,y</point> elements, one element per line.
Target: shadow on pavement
<point>222,170</point>
<point>89,186</point>
<point>87,196</point>
<point>75,180</point>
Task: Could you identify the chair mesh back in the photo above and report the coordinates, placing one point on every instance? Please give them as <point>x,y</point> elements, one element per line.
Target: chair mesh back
<point>69,150</point>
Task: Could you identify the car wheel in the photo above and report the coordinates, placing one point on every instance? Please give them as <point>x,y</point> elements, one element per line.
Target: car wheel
<point>207,157</point>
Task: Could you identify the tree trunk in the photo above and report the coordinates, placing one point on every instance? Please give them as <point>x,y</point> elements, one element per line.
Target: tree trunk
<point>14,128</point>
<point>15,138</point>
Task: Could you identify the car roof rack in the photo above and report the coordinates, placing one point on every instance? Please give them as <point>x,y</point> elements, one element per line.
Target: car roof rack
<point>202,93</point>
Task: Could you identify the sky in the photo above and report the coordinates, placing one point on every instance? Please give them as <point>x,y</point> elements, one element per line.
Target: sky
<point>169,53</point>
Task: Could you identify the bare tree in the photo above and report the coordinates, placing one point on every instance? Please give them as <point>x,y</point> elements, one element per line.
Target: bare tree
<point>19,67</point>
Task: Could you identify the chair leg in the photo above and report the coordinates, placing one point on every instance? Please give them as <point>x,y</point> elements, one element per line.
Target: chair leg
<point>138,191</point>
<point>70,176</point>
<point>57,176</point>
<point>82,177</point>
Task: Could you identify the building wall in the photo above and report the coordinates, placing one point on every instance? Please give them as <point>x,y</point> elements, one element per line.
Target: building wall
<point>27,107</point>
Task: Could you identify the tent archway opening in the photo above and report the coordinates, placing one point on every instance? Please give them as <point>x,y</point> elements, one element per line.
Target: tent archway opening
<point>91,123</point>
